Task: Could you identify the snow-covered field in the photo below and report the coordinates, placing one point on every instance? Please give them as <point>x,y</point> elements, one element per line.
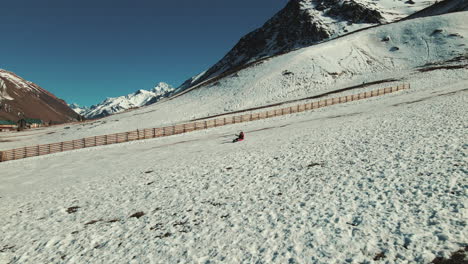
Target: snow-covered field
<point>381,180</point>
<point>384,177</point>
<point>362,57</point>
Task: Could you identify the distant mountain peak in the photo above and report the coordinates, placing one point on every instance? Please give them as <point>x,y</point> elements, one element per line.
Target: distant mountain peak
<point>162,87</point>
<point>113,105</point>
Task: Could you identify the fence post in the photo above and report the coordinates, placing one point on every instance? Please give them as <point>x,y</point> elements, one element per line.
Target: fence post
<point>1,156</point>
<point>61,146</point>
<point>38,151</point>
<point>105,137</point>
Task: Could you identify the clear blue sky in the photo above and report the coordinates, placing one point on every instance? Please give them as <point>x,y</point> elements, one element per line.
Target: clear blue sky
<point>84,51</point>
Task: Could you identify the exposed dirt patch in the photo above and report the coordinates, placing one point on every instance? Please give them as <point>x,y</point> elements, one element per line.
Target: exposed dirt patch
<point>7,248</point>
<point>379,256</point>
<point>137,215</point>
<point>314,164</point>
<point>93,222</point>
<point>458,257</point>
<point>72,209</point>
<point>167,234</point>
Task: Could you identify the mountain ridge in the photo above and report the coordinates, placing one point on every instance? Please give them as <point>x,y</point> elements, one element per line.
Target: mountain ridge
<point>302,23</point>
<point>20,98</point>
<point>113,105</point>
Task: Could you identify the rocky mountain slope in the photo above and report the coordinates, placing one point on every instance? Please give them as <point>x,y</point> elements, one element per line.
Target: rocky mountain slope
<point>447,6</point>
<point>23,99</point>
<point>119,104</point>
<point>306,22</point>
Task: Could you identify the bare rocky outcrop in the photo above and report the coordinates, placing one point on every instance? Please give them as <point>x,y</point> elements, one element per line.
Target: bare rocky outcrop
<point>23,99</point>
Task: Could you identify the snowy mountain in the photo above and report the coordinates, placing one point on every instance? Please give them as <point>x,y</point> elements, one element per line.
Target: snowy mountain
<point>306,22</point>
<point>23,99</point>
<point>447,6</point>
<point>380,180</point>
<point>424,52</point>
<point>78,109</point>
<point>119,104</point>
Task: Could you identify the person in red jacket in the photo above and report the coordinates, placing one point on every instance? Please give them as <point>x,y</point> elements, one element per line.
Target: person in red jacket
<point>240,137</point>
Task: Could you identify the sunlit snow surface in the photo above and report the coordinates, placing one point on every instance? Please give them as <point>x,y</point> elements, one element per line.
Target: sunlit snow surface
<point>355,59</point>
<point>385,176</point>
<point>343,183</point>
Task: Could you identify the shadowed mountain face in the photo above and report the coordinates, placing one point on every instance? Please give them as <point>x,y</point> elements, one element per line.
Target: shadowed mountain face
<point>22,99</point>
<point>444,7</point>
<point>301,23</point>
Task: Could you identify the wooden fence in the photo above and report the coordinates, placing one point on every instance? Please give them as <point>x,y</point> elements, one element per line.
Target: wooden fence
<point>25,152</point>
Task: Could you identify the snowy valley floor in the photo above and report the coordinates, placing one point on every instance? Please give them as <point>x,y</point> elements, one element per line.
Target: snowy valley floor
<point>382,180</point>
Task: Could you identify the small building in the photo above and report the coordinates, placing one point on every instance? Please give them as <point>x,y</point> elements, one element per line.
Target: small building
<point>29,123</point>
<point>7,125</point>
